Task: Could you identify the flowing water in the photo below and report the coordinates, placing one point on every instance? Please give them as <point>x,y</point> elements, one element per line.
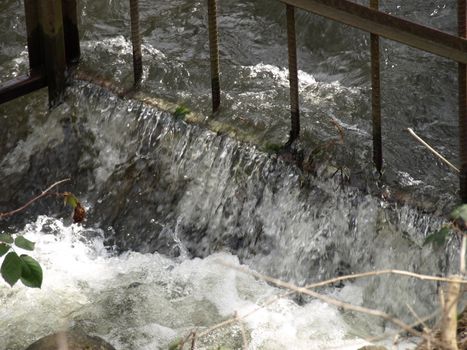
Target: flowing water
<point>170,204</point>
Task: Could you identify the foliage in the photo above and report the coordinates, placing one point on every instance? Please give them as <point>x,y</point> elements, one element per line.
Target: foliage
<point>19,267</point>
<point>175,345</point>
<point>458,221</point>
<point>181,112</point>
<point>439,237</point>
<point>271,147</point>
<point>24,267</point>
<point>79,213</point>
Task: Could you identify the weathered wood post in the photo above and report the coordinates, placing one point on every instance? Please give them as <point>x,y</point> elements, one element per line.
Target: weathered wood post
<point>376,96</point>
<point>293,75</point>
<point>70,30</point>
<point>33,35</point>
<point>214,54</point>
<point>462,105</point>
<point>53,47</point>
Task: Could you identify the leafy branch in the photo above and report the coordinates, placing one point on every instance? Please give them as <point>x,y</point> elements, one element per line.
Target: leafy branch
<point>16,267</point>
<point>23,267</point>
<point>457,224</point>
<point>43,194</point>
<point>79,213</point>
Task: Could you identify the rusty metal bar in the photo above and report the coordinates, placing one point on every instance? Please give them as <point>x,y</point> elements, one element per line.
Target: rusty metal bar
<point>71,33</point>
<point>214,53</point>
<point>136,42</point>
<point>293,75</point>
<point>21,86</point>
<point>53,47</point>
<point>33,34</point>
<point>376,96</point>
<point>461,13</point>
<point>388,26</point>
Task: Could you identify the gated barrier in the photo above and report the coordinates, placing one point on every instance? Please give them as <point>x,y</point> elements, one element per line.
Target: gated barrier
<point>53,47</point>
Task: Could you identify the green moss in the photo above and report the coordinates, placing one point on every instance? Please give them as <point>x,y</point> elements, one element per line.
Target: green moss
<point>272,147</point>
<point>181,112</point>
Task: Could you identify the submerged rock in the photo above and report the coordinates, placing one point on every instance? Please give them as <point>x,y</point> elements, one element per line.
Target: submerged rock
<point>70,340</point>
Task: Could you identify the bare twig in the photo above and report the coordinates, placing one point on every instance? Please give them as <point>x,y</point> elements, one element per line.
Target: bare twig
<point>432,150</point>
<point>387,272</point>
<point>44,193</point>
<point>328,282</point>
<point>339,129</point>
<point>419,320</point>
<point>193,340</point>
<point>395,342</point>
<point>391,334</point>
<point>343,305</point>
<point>242,328</point>
<point>449,321</point>
<point>462,254</point>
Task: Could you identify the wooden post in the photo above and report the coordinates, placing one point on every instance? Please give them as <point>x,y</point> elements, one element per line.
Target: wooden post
<point>376,96</point>
<point>462,105</point>
<point>53,47</point>
<point>70,30</point>
<point>214,53</point>
<point>293,75</point>
<point>33,35</point>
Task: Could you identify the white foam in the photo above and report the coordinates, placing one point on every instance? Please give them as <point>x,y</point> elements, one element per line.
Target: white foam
<point>144,300</point>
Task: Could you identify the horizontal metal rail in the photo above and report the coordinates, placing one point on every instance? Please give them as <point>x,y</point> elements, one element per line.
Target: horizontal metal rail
<point>21,86</point>
<point>388,26</point>
<point>53,46</point>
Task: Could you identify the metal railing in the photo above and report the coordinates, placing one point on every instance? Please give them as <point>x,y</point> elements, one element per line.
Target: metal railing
<point>378,23</point>
<point>53,46</point>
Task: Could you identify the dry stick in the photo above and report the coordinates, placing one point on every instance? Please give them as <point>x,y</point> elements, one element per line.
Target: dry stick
<point>235,319</point>
<point>44,193</point>
<point>432,150</point>
<point>390,334</point>
<point>341,304</point>
<point>242,328</point>
<point>193,341</point>
<point>324,283</point>
<point>385,272</point>
<point>420,321</point>
<point>340,130</point>
<point>395,342</point>
<point>462,254</point>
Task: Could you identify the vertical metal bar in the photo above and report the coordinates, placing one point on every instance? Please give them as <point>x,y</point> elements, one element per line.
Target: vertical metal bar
<point>53,47</point>
<point>461,13</point>
<point>71,33</point>
<point>136,42</point>
<point>293,75</point>
<point>376,96</point>
<point>214,53</point>
<point>33,33</point>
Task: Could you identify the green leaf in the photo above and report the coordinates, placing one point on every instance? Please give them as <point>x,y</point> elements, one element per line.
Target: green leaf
<point>460,213</point>
<point>4,248</point>
<point>11,268</point>
<point>31,272</point>
<point>181,112</point>
<point>71,200</point>
<point>175,345</point>
<point>6,238</point>
<point>439,237</point>
<point>24,243</point>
